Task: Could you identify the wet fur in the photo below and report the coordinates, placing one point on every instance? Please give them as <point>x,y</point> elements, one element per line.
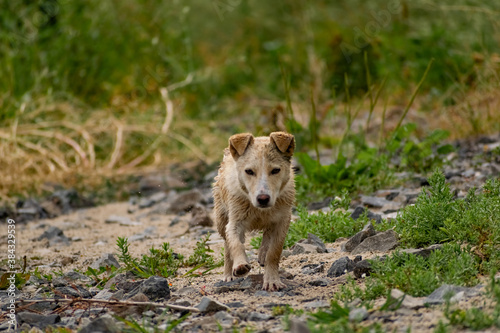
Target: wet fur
<point>237,208</point>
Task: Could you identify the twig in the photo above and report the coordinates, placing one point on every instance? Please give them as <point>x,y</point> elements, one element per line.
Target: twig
<point>108,302</point>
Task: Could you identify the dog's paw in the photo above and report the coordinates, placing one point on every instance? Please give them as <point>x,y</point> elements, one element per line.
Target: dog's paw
<point>241,269</point>
<point>273,285</point>
<point>227,278</point>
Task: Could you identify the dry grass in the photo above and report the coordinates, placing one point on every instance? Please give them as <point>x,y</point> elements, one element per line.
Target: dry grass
<point>47,145</point>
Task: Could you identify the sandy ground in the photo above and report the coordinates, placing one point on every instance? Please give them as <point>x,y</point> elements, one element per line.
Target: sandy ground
<point>92,237</point>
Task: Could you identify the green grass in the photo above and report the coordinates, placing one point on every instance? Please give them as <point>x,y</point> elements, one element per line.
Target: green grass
<point>83,83</point>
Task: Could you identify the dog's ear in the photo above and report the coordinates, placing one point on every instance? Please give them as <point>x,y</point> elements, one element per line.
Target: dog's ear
<point>284,142</point>
<point>238,143</point>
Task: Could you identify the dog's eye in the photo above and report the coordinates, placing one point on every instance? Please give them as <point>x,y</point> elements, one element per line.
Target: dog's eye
<point>275,171</point>
<point>249,172</point>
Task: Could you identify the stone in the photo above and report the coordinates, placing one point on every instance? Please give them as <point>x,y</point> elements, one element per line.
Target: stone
<point>312,239</point>
<point>152,200</point>
<point>319,204</point>
<point>200,217</point>
<point>354,241</point>
<point>298,326</point>
<point>155,288</point>
<point>319,283</point>
<point>374,201</point>
<point>104,294</point>
<point>122,220</point>
<point>408,301</point>
<point>38,320</point>
<point>257,316</point>
<point>357,315</point>
<point>313,268</point>
<point>340,267</point>
<point>235,304</point>
<point>185,201</point>
<point>381,242</point>
<point>362,269</point>
<point>439,295</point>
<point>302,248</point>
<point>360,210</point>
<point>224,318</point>
<point>75,276</point>
<point>102,324</point>
<point>425,252</point>
<point>209,305</point>
<point>106,260</point>
<point>262,293</point>
<point>55,236</point>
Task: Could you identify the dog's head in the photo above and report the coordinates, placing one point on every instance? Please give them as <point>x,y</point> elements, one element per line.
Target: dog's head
<point>263,165</point>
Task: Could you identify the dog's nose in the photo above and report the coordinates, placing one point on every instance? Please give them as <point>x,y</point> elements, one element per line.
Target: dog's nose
<point>263,199</point>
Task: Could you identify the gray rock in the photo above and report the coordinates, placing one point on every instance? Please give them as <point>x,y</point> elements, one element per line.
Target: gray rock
<point>319,204</point>
<point>313,268</point>
<point>439,295</point>
<point>360,210</point>
<point>235,304</point>
<point>200,217</point>
<point>319,283</point>
<point>381,242</point>
<point>358,315</point>
<point>426,252</point>
<point>298,326</point>
<point>209,305</point>
<point>106,260</point>
<point>38,320</point>
<point>55,236</point>
<point>155,288</point>
<point>408,301</point>
<point>312,239</point>
<point>185,201</point>
<point>152,200</point>
<point>104,294</point>
<point>302,248</point>
<point>102,324</point>
<point>340,267</point>
<point>257,316</point>
<point>72,291</point>
<point>262,293</point>
<point>224,318</point>
<point>75,276</point>
<point>362,269</point>
<point>355,240</point>
<point>374,201</point>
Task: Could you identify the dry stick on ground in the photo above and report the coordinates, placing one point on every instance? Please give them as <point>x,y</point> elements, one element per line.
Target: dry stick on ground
<point>107,302</point>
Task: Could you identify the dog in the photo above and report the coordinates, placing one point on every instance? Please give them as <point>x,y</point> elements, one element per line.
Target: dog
<point>255,190</point>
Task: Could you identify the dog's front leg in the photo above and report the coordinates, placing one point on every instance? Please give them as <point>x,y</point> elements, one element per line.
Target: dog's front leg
<point>276,239</point>
<point>235,240</point>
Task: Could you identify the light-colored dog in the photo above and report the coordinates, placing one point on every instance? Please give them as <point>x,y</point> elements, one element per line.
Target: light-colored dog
<point>255,190</point>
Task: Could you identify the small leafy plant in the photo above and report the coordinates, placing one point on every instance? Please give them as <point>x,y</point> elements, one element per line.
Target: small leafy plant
<point>165,262</point>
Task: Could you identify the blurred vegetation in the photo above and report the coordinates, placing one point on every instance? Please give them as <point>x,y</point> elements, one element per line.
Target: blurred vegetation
<point>107,88</point>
